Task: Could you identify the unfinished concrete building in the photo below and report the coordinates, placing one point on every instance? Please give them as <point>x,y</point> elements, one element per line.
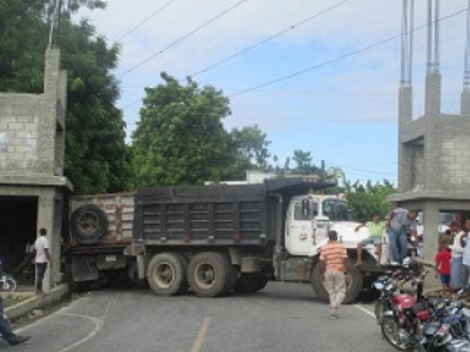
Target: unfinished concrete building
<point>32,185</point>
<point>434,149</point>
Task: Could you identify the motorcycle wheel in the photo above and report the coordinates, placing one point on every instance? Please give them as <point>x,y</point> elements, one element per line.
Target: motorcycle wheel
<point>379,310</point>
<point>9,284</point>
<point>390,331</point>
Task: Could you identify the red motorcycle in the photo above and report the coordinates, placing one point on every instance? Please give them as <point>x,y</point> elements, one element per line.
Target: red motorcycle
<point>400,324</point>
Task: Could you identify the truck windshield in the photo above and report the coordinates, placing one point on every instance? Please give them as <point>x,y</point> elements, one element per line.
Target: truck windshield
<point>337,210</point>
<point>300,215</point>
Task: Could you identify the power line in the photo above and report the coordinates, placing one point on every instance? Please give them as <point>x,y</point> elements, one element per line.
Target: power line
<point>302,118</point>
<point>339,58</point>
<point>251,47</point>
<point>185,36</point>
<point>133,29</point>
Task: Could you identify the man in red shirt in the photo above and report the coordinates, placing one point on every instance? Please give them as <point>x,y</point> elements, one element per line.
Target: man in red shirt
<point>333,258</point>
<point>442,260</point>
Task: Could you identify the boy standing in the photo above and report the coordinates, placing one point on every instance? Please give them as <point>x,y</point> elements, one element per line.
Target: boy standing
<point>442,260</point>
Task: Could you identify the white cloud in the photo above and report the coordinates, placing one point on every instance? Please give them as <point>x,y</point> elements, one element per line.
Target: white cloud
<point>350,26</point>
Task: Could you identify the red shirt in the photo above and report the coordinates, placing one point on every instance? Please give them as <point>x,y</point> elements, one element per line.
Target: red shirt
<point>443,261</point>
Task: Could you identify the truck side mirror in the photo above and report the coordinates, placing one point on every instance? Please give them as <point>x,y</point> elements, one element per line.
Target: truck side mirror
<point>306,208</point>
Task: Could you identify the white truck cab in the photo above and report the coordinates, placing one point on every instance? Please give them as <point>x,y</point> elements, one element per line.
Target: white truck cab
<point>310,217</point>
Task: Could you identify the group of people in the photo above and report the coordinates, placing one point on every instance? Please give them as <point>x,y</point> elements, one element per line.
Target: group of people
<point>399,223</point>
<point>43,258</point>
<point>452,260</point>
<point>453,257</point>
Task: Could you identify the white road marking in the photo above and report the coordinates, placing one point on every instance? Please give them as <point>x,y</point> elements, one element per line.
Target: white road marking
<point>200,336</point>
<point>368,312</point>
<point>98,325</point>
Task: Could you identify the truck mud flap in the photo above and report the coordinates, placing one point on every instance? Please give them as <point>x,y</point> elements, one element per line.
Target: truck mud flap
<point>83,269</point>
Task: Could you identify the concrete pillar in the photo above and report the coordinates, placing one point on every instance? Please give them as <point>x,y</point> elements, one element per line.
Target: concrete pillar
<point>433,94</point>
<point>430,238</point>
<point>405,117</point>
<point>47,218</point>
<point>465,103</point>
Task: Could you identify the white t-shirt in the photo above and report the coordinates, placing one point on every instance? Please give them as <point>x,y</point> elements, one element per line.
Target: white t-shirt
<point>41,245</point>
<point>456,248</point>
<point>466,253</point>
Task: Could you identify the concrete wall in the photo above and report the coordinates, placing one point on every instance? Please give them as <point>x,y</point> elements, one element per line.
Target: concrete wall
<point>32,149</point>
<point>32,127</point>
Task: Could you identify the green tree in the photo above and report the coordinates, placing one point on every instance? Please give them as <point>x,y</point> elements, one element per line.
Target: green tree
<point>303,163</point>
<point>251,148</point>
<point>180,138</point>
<point>365,200</point>
<point>96,157</point>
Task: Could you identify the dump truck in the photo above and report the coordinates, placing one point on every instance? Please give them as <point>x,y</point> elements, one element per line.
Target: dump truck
<point>217,239</point>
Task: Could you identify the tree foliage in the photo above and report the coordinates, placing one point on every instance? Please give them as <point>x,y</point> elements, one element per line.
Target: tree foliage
<point>365,200</point>
<point>251,151</point>
<point>180,138</point>
<point>96,155</point>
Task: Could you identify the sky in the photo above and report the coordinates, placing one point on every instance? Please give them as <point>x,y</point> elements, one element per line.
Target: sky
<point>321,76</point>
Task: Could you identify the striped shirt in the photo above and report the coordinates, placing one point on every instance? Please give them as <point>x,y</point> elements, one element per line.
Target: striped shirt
<point>333,254</point>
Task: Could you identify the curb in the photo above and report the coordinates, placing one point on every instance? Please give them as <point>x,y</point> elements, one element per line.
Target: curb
<point>35,302</point>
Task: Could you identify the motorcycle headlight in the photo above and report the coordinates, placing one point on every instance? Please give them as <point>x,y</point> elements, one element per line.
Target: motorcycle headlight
<point>379,286</point>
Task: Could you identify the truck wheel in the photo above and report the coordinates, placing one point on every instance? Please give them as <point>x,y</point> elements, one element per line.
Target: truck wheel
<point>353,286</point>
<point>317,284</point>
<point>166,274</point>
<point>88,224</point>
<point>250,283</point>
<point>210,274</point>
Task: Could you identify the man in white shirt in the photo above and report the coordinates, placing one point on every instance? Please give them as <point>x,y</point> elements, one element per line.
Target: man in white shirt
<point>43,256</point>
<point>464,240</point>
<point>456,253</point>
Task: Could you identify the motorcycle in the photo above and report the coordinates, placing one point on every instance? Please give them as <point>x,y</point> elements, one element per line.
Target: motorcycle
<point>400,325</point>
<point>448,330</point>
<point>7,282</point>
<point>388,286</point>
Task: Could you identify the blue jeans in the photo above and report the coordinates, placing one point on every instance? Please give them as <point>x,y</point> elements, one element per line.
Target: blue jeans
<point>456,273</point>
<point>40,272</point>
<point>5,328</point>
<point>398,245</point>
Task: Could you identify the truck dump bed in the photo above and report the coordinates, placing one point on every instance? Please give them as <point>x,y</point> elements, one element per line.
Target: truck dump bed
<point>119,210</point>
<point>216,214</point>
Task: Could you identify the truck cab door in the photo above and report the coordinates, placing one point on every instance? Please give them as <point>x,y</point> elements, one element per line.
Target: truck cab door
<point>299,229</point>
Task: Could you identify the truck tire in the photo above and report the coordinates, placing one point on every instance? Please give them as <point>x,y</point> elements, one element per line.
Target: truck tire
<point>353,288</point>
<point>210,274</point>
<point>251,283</point>
<point>88,224</point>
<point>166,274</point>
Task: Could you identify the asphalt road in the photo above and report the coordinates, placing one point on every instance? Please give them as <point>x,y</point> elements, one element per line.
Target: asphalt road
<point>280,318</point>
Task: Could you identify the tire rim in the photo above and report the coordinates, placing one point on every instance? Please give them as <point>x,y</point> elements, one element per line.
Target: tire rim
<point>391,330</point>
<point>204,275</point>
<point>379,312</point>
<point>88,223</point>
<point>164,275</point>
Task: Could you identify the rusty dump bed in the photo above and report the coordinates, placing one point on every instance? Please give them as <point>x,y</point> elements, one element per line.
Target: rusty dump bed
<point>216,214</point>
<point>119,209</point>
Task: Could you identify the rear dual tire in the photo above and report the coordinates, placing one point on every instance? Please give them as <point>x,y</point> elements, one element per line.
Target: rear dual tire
<point>210,274</point>
<point>166,274</point>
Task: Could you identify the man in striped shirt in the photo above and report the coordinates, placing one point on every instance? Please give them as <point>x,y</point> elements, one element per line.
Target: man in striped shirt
<point>333,258</point>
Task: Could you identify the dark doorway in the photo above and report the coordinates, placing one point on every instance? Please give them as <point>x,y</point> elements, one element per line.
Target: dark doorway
<point>18,223</point>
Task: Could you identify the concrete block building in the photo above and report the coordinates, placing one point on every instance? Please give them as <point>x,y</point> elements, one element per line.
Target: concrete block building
<point>32,184</point>
<point>434,149</point>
